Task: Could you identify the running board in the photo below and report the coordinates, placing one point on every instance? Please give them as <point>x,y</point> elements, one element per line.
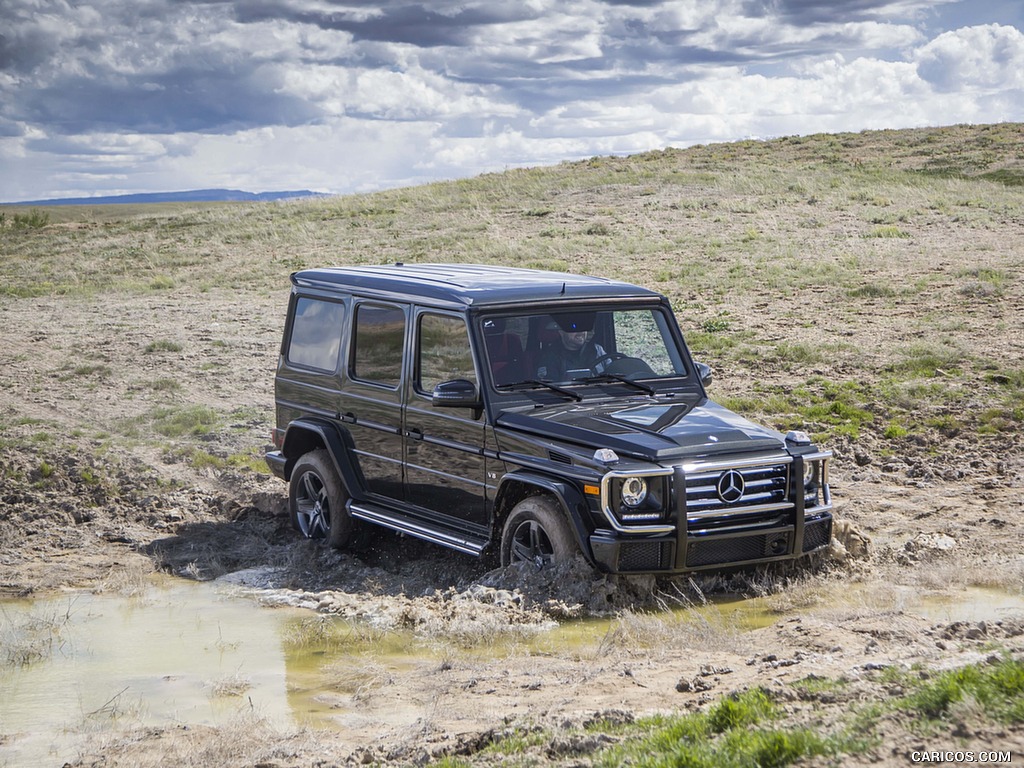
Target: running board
<point>382,516</point>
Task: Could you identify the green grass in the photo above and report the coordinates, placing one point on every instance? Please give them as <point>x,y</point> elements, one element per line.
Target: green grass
<point>516,743</point>
<point>798,353</point>
<point>739,731</point>
<point>86,371</point>
<point>165,384</point>
<point>249,462</point>
<point>182,421</point>
<point>33,219</point>
<point>923,393</point>
<point>997,690</point>
<point>161,283</point>
<point>928,360</point>
<point>872,291</point>
<point>888,231</point>
<point>821,406</point>
<point>162,345</point>
<point>895,431</point>
<point>716,324</point>
<point>815,684</point>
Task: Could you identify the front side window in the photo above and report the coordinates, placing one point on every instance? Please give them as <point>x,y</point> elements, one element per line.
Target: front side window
<point>316,334</point>
<point>378,340</point>
<point>443,351</point>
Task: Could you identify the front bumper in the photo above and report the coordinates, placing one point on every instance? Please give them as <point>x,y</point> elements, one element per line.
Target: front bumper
<point>684,551</point>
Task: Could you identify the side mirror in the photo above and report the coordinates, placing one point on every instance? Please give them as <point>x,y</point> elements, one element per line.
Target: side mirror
<point>704,372</point>
<point>457,393</point>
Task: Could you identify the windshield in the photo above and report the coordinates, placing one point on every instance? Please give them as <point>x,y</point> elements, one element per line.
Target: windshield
<point>580,346</point>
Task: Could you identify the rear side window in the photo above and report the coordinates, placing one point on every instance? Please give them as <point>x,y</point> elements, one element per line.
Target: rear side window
<point>316,334</point>
<point>379,339</point>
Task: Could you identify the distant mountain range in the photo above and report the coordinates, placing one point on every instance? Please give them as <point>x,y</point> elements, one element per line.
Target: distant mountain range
<point>192,196</point>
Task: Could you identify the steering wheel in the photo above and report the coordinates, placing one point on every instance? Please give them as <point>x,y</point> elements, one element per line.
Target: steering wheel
<point>609,357</point>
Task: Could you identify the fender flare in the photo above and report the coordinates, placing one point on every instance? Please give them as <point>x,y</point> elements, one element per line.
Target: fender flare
<point>516,486</point>
<point>309,434</point>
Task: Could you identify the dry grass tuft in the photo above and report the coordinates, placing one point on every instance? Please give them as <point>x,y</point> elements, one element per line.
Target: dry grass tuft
<point>33,636</point>
<point>235,684</point>
<point>359,678</point>
<point>702,628</point>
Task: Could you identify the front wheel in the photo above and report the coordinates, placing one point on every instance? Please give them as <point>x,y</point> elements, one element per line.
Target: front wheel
<point>537,532</point>
<point>316,500</point>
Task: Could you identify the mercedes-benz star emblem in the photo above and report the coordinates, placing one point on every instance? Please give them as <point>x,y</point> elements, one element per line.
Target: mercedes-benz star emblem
<point>731,486</point>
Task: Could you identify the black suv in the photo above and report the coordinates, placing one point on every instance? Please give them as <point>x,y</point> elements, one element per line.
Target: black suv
<point>537,413</point>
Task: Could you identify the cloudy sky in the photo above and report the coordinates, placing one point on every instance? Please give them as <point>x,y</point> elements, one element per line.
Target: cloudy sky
<point>105,97</point>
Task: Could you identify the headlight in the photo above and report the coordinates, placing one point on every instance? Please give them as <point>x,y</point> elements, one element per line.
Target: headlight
<point>816,490</point>
<point>810,473</point>
<point>634,491</point>
<point>637,498</point>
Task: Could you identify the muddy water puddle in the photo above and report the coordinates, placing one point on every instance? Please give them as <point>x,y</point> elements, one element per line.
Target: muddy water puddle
<point>178,654</point>
<point>972,604</point>
<point>186,653</point>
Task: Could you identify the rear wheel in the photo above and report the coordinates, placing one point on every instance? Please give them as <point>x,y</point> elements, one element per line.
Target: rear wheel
<point>316,500</point>
<point>537,532</point>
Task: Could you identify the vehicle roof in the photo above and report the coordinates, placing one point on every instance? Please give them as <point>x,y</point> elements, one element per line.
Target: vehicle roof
<point>466,284</point>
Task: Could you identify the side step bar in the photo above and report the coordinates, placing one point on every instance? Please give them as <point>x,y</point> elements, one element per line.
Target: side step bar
<point>379,515</point>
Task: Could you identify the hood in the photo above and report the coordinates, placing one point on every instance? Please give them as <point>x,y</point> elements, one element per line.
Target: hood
<point>648,429</point>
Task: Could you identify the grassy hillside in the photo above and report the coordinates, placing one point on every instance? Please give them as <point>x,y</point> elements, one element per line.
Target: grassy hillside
<point>867,287</point>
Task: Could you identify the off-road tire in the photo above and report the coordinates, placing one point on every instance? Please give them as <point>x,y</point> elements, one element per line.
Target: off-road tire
<point>537,531</point>
<point>316,500</point>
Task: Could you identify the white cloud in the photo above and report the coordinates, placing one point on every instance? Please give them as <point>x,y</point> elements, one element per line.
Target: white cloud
<point>984,57</point>
<point>144,95</point>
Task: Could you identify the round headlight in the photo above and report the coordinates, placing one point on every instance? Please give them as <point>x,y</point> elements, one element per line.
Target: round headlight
<point>634,491</point>
<point>810,472</point>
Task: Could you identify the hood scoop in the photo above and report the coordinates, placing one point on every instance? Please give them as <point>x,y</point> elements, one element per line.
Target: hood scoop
<point>561,458</point>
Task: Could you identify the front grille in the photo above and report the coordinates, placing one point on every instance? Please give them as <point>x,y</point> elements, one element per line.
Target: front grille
<point>817,534</point>
<point>645,556</point>
<point>735,550</point>
<point>765,497</point>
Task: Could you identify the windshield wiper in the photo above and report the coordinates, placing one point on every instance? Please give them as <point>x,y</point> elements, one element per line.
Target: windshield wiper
<point>616,377</point>
<point>534,383</point>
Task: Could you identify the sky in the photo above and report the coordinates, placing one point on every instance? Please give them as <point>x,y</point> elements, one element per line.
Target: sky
<point>108,97</point>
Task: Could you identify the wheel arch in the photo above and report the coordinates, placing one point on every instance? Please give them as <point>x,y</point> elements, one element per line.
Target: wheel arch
<point>517,486</point>
<point>305,435</point>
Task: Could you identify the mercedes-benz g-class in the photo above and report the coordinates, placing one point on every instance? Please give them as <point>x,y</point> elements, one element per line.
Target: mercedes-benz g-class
<point>529,413</point>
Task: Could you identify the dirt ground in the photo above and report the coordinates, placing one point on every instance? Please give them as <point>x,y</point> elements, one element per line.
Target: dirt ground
<point>79,510</point>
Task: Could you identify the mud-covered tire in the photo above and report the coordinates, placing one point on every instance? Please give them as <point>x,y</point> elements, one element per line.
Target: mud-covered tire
<point>316,500</point>
<point>537,532</point>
